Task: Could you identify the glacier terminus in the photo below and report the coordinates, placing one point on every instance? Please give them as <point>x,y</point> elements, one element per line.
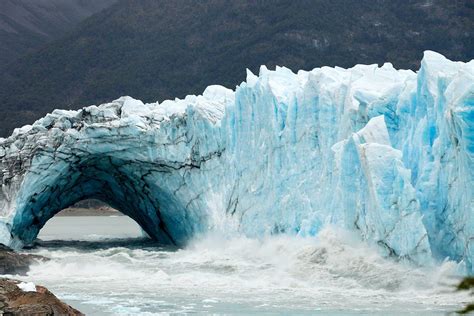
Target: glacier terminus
<point>383,152</point>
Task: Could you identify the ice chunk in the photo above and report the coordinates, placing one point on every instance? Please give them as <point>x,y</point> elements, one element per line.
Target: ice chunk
<point>27,286</point>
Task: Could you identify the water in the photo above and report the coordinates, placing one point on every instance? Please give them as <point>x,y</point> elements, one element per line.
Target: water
<point>103,266</point>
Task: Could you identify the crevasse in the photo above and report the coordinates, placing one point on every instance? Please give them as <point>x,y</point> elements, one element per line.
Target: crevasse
<point>385,152</point>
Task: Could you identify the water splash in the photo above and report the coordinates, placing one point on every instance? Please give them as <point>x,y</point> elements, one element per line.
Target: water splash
<point>334,272</point>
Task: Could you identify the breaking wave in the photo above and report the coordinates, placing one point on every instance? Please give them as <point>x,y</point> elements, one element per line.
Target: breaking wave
<point>332,272</point>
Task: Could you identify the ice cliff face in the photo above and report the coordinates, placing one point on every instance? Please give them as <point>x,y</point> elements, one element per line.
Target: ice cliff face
<point>388,153</point>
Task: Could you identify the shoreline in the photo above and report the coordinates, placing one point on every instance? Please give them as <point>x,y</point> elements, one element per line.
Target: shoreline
<point>78,211</point>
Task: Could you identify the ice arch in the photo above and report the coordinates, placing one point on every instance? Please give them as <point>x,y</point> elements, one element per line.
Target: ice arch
<point>113,180</point>
<point>388,153</point>
<point>149,168</point>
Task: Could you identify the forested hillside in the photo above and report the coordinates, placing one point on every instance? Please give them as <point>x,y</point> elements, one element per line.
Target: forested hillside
<point>26,25</point>
<point>157,49</point>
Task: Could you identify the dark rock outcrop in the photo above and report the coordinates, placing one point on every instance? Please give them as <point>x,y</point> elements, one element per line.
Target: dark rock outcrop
<point>15,301</point>
<point>467,284</point>
<point>12,262</point>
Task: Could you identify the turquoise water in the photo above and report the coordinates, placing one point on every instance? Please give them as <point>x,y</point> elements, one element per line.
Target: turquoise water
<point>104,266</point>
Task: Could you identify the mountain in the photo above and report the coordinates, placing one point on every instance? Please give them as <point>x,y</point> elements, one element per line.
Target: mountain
<point>26,25</point>
<point>157,49</point>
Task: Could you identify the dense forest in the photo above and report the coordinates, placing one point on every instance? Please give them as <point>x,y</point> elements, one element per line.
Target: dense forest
<point>158,49</point>
<point>26,25</point>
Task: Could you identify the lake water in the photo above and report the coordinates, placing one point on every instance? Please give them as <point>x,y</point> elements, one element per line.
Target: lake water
<point>104,266</point>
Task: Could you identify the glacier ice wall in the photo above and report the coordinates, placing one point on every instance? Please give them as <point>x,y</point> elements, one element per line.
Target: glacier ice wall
<point>387,153</point>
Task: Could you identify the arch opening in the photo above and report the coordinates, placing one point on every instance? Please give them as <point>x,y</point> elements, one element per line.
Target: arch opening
<point>128,186</point>
<point>91,222</point>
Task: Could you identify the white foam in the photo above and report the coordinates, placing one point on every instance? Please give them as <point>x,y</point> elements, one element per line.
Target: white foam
<point>335,270</point>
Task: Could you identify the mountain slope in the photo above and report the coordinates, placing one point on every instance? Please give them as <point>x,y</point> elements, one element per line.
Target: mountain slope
<point>164,49</point>
<point>27,24</point>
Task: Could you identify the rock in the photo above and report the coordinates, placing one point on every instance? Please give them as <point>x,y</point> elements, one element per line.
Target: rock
<point>467,284</point>
<point>15,301</point>
<point>12,262</point>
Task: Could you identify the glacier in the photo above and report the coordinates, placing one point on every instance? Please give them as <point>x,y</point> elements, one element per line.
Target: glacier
<point>383,152</point>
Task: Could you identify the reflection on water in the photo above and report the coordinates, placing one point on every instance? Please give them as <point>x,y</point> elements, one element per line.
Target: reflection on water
<point>103,274</point>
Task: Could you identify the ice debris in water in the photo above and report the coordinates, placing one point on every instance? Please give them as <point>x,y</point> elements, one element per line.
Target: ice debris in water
<point>386,153</point>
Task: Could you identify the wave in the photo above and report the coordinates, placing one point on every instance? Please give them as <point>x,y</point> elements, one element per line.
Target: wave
<point>333,271</point>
